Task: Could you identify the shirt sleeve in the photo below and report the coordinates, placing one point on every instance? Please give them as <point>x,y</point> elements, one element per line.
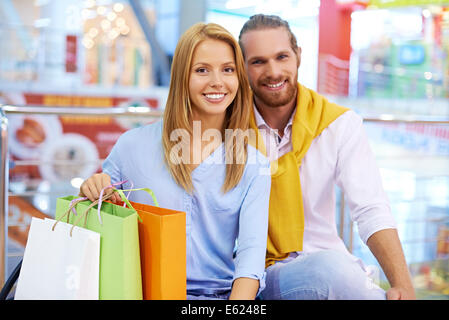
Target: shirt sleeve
<point>359,178</point>
<point>112,163</point>
<point>253,228</point>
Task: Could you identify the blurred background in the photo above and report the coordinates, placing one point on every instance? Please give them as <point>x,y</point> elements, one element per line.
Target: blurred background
<point>75,74</point>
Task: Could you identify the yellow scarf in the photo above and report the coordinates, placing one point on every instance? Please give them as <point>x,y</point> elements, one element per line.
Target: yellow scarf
<point>286,213</point>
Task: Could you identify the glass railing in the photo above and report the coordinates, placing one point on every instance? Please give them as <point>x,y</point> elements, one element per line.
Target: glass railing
<point>413,157</point>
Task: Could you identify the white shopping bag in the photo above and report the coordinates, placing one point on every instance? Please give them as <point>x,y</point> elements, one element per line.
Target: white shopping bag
<point>58,264</point>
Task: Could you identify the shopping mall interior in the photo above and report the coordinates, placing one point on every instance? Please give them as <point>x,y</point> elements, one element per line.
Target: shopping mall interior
<point>76,74</point>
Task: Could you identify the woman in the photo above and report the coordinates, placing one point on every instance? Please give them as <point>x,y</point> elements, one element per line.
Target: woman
<point>220,183</point>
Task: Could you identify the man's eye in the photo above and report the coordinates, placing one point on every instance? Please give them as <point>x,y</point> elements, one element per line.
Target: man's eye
<point>256,62</point>
<point>283,56</point>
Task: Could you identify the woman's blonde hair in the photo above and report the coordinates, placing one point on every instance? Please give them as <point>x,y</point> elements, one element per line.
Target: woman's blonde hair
<point>178,110</point>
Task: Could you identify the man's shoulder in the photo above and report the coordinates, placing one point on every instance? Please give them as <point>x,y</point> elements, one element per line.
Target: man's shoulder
<point>350,116</point>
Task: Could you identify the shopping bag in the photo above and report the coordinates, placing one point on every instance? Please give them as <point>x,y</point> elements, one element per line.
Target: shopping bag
<point>59,263</point>
<point>162,234</point>
<point>120,275</point>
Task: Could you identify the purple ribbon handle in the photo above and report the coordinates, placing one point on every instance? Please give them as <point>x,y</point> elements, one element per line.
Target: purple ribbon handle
<point>77,199</point>
<point>127,196</point>
<point>101,197</point>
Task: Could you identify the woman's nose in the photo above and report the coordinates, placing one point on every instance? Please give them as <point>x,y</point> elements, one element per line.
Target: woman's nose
<point>216,80</point>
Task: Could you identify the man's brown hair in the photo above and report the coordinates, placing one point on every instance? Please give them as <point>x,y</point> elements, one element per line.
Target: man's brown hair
<point>262,21</point>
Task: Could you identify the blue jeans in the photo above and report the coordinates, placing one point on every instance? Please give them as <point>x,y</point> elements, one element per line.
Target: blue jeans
<point>218,296</point>
<point>322,275</point>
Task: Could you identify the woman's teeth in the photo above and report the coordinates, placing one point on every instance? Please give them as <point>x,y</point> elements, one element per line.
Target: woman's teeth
<point>214,96</point>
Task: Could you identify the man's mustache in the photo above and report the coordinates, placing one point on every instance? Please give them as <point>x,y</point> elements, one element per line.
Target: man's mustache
<point>270,81</point>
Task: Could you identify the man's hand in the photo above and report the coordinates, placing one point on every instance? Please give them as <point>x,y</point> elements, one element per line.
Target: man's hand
<point>398,293</point>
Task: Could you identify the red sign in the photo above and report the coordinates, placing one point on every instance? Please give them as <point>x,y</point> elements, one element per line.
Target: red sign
<point>71,54</point>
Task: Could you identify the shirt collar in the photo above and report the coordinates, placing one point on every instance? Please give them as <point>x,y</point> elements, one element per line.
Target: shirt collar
<point>260,122</point>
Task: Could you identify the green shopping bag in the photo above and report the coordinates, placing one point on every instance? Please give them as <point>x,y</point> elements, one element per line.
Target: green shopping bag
<point>120,274</point>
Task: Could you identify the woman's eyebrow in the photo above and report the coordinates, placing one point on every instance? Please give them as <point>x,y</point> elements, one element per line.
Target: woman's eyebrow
<point>207,64</point>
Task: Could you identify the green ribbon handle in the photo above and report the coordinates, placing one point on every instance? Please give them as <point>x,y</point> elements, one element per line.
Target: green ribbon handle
<point>125,199</point>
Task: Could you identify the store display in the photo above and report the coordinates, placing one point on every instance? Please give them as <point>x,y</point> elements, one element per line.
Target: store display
<point>29,134</point>
<point>71,155</point>
<point>431,279</point>
<point>19,218</point>
<point>401,62</point>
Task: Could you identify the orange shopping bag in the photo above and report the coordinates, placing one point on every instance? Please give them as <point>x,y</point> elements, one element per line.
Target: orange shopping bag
<point>162,237</point>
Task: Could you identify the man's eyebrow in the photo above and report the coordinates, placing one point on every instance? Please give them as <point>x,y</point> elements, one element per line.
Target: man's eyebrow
<point>256,58</point>
<point>264,57</point>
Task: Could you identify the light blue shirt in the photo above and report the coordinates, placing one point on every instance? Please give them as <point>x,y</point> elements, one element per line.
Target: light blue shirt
<point>214,221</point>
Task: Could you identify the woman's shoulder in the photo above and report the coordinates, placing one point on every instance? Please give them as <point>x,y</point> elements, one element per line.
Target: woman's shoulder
<point>149,132</point>
<point>254,154</point>
<point>257,162</point>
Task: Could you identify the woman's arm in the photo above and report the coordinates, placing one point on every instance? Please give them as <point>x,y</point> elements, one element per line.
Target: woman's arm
<point>249,276</point>
<point>244,289</point>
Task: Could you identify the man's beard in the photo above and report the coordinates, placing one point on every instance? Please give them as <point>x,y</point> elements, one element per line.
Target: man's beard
<point>276,99</point>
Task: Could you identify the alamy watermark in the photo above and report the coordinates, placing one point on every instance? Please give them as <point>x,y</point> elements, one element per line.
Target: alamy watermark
<point>72,282</point>
<point>373,277</point>
<point>187,143</point>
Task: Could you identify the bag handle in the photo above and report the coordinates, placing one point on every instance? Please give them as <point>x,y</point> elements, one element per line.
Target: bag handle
<point>105,197</point>
<point>101,194</point>
<point>84,214</point>
<point>100,198</point>
<point>126,201</point>
<point>72,205</point>
<point>147,190</point>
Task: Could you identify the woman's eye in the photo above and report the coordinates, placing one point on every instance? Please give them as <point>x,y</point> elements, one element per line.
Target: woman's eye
<point>229,70</point>
<point>201,70</point>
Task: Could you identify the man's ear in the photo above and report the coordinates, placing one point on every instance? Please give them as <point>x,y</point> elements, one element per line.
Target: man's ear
<point>298,55</point>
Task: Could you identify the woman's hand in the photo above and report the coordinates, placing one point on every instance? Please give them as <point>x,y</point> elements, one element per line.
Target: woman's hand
<point>244,289</point>
<point>92,187</point>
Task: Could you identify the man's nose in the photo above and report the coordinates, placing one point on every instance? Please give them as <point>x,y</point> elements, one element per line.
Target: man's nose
<point>273,70</point>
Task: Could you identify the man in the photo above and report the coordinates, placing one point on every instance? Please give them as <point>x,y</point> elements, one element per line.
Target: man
<point>315,144</point>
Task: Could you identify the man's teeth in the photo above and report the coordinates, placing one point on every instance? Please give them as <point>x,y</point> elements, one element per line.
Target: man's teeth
<point>277,85</point>
<point>215,96</point>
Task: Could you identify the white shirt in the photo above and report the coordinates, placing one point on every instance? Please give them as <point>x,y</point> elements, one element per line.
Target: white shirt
<point>340,156</point>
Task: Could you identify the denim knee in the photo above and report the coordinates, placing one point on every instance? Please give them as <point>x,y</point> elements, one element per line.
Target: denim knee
<point>327,274</point>
<point>344,277</point>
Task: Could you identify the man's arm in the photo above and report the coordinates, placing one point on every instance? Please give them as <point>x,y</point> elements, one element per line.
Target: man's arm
<point>387,249</point>
<point>357,174</point>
